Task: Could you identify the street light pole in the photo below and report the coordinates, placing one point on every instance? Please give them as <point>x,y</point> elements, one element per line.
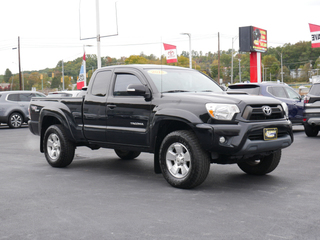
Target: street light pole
<point>20,81</point>
<point>190,54</point>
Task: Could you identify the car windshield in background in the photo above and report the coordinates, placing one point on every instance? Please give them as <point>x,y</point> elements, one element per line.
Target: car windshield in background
<point>250,89</point>
<point>315,90</point>
<point>176,80</point>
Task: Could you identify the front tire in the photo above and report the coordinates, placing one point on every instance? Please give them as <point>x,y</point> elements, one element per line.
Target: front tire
<point>126,155</point>
<point>15,120</point>
<point>183,162</point>
<point>310,130</point>
<point>59,151</point>
<point>262,166</point>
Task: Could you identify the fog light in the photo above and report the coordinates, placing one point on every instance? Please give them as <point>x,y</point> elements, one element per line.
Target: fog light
<point>222,140</point>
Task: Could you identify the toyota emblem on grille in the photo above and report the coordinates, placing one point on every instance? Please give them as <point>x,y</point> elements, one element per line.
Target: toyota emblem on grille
<point>266,110</point>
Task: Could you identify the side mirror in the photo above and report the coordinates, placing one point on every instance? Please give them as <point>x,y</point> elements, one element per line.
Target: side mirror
<point>139,90</point>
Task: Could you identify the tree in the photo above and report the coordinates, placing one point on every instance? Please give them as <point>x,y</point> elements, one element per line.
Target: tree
<point>55,82</point>
<point>134,59</point>
<point>7,75</point>
<point>273,66</point>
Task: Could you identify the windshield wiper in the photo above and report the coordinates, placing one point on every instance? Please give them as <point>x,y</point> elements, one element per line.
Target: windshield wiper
<point>206,91</point>
<point>174,91</point>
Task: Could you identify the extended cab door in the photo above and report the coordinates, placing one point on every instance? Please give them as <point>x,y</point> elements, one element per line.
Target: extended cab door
<point>128,115</point>
<point>94,107</point>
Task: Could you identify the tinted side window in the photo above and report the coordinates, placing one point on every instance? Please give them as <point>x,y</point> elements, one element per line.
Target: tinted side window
<point>122,82</point>
<point>25,97</point>
<point>13,97</point>
<point>278,92</point>
<point>101,83</point>
<point>292,94</point>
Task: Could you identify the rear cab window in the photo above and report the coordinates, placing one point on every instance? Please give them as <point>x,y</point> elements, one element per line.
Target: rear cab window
<point>101,83</point>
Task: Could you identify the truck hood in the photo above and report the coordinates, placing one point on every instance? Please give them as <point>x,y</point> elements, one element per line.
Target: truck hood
<point>222,97</point>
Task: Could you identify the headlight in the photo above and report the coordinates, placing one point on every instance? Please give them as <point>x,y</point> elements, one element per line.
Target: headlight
<point>285,108</point>
<point>222,111</point>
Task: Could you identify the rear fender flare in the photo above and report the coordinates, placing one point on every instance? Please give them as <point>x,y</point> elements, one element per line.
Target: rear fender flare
<point>58,117</point>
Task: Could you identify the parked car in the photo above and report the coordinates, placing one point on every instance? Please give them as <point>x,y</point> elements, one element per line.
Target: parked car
<point>279,91</point>
<point>14,107</point>
<point>311,119</point>
<point>64,94</point>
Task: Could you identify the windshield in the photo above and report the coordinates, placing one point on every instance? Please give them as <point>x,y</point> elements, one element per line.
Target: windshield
<point>181,80</point>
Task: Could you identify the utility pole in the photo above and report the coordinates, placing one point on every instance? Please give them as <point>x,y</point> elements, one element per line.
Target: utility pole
<point>234,38</point>
<point>218,57</point>
<point>20,81</point>
<point>98,34</point>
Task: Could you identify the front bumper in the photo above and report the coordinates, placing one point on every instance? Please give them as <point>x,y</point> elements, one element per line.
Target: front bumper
<point>244,138</point>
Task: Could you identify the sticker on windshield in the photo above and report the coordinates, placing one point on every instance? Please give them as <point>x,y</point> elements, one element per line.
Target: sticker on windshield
<point>157,72</point>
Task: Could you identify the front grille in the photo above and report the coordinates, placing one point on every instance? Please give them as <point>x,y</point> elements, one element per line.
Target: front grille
<point>256,113</point>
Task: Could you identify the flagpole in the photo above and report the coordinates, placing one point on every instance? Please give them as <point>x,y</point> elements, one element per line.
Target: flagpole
<point>84,66</point>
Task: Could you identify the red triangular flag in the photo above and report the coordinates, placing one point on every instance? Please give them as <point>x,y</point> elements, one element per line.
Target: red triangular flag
<point>315,35</point>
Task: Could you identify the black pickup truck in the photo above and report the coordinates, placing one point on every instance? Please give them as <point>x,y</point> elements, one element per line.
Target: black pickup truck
<point>179,114</point>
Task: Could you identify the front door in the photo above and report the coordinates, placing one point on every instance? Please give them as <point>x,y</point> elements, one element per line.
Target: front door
<point>128,115</point>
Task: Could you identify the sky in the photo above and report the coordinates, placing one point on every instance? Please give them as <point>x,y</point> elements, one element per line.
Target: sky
<point>51,31</point>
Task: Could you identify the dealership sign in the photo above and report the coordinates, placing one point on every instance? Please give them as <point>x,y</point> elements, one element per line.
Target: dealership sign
<point>252,39</point>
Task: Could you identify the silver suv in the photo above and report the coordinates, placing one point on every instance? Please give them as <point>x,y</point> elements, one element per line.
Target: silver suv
<point>14,107</point>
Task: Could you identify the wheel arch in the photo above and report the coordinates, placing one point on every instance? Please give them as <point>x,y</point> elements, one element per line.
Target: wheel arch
<point>162,128</point>
<point>49,118</point>
<point>25,118</point>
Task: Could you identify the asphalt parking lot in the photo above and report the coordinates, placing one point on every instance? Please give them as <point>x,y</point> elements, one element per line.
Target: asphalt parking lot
<point>101,197</point>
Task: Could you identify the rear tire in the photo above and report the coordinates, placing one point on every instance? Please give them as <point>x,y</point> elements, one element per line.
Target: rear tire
<point>310,130</point>
<point>262,166</point>
<point>126,155</point>
<point>15,120</point>
<point>184,163</point>
<point>59,151</point>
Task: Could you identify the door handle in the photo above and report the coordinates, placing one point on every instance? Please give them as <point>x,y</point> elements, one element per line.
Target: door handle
<point>111,106</point>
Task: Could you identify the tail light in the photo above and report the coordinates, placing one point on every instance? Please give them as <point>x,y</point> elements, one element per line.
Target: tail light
<point>306,99</point>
